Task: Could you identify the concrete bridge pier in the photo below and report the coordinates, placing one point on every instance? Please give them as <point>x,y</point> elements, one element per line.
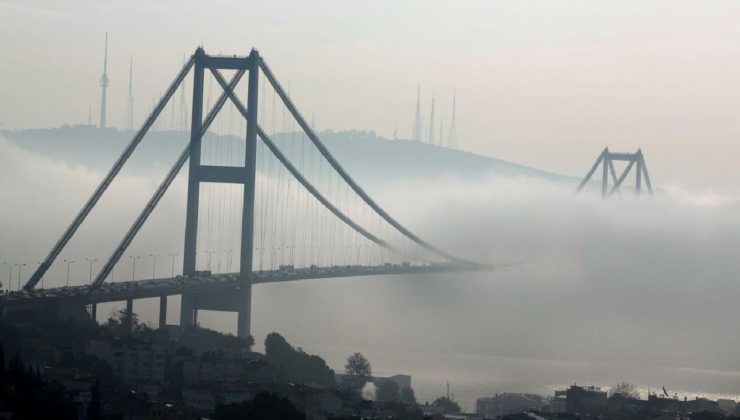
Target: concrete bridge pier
<point>238,299</point>
<point>244,313</point>
<point>128,318</point>
<point>162,311</point>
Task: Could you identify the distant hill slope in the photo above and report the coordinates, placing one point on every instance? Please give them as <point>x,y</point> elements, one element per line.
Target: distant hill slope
<point>366,157</point>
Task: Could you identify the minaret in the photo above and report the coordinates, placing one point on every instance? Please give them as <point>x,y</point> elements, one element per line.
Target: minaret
<point>128,119</point>
<point>104,84</point>
<point>441,131</point>
<point>452,137</point>
<point>416,130</point>
<point>431,122</point>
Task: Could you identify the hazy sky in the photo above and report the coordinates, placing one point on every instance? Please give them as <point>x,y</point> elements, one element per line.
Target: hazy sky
<point>543,83</point>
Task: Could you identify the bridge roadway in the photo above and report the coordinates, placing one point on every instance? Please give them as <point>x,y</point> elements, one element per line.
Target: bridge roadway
<point>205,281</point>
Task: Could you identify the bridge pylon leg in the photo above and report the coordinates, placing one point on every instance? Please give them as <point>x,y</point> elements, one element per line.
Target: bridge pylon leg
<point>244,315</point>
<point>187,311</point>
<point>247,237</point>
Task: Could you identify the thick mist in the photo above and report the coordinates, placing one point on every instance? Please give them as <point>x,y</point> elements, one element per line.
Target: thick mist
<point>585,290</point>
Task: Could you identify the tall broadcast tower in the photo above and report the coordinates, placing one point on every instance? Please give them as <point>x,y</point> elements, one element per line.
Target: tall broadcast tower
<point>104,84</point>
<point>431,123</point>
<point>128,118</point>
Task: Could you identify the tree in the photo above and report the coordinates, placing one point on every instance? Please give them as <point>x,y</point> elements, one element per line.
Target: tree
<point>200,340</point>
<point>408,395</point>
<point>120,326</point>
<point>387,391</point>
<point>626,390</point>
<point>295,365</point>
<point>27,396</point>
<point>359,370</point>
<point>447,405</point>
<point>264,406</point>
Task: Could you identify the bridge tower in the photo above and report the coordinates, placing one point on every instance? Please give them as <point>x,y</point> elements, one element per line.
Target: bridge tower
<point>606,160</point>
<point>233,292</point>
<point>245,176</point>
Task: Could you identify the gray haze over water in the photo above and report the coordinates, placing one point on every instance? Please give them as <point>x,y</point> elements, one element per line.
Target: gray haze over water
<point>602,291</point>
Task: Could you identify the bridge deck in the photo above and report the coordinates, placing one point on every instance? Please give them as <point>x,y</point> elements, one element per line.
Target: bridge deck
<point>206,282</point>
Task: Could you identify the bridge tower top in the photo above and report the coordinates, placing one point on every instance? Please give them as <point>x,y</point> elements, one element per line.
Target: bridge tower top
<point>606,159</point>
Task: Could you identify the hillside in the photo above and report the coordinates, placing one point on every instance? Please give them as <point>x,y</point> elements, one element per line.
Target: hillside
<point>368,158</point>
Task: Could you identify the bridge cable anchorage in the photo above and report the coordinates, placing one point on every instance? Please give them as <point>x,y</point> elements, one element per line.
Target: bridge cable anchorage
<point>606,160</point>
<point>105,183</point>
<point>154,200</point>
<point>347,178</point>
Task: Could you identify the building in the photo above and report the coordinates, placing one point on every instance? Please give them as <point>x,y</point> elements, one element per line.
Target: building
<point>218,367</point>
<point>660,404</point>
<point>134,361</point>
<point>403,381</point>
<point>204,397</point>
<point>585,400</point>
<point>78,385</point>
<point>133,406</point>
<point>557,402</point>
<point>508,403</point>
<point>727,405</point>
<point>314,400</point>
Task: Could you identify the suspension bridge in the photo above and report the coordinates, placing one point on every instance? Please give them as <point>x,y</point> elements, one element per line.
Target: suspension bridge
<point>264,195</point>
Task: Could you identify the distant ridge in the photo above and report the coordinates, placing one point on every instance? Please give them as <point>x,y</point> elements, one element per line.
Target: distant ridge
<point>369,158</point>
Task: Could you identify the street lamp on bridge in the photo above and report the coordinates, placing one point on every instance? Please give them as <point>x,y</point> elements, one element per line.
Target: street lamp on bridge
<point>20,268</point>
<point>68,264</point>
<point>91,261</point>
<point>210,253</point>
<point>10,274</point>
<point>133,269</point>
<point>154,265</point>
<point>229,260</point>
<point>172,270</point>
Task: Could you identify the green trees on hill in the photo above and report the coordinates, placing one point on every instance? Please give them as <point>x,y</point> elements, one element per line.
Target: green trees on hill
<point>264,406</point>
<point>625,389</point>
<point>200,340</point>
<point>294,364</point>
